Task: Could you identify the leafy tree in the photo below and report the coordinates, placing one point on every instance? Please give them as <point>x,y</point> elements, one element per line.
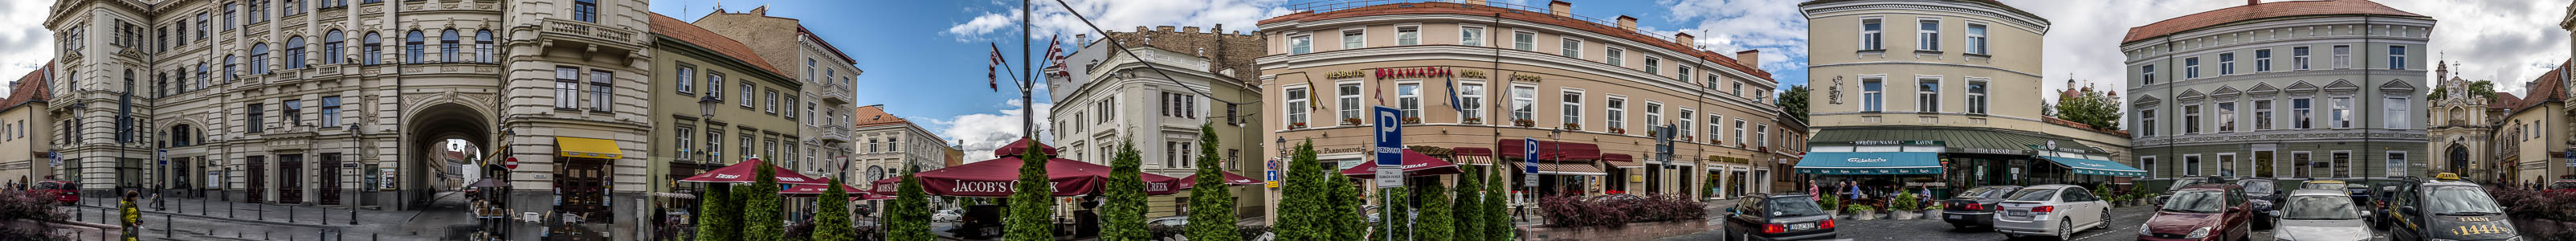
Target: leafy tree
<point>1306,211</point>
<point>1212,218</point>
<point>832,217</point>
<point>1123,216</point>
<point>1468,206</point>
<point>2090,107</point>
<point>1437,223</point>
<point>1032,211</point>
<point>1794,101</point>
<point>762,208</point>
<point>2482,88</point>
<point>909,218</point>
<point>719,215</point>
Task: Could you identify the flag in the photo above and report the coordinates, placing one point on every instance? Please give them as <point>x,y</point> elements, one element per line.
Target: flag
<point>1453,95</point>
<point>1055,57</point>
<point>990,78</point>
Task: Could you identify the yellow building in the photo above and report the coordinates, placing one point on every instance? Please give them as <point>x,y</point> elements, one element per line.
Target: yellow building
<point>23,156</point>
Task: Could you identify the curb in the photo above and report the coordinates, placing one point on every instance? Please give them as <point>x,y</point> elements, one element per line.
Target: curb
<point>235,219</point>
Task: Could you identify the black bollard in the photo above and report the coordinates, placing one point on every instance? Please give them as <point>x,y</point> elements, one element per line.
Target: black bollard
<point>165,225</point>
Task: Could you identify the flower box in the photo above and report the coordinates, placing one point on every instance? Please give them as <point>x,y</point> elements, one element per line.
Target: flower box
<point>1413,120</point>
<point>1524,123</point>
<point>1474,120</point>
<point>1573,126</point>
<point>1616,130</point>
<point>1351,121</point>
<point>1297,125</point>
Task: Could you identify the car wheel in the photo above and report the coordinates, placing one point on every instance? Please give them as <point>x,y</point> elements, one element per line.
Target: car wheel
<point>2106,220</point>
<point>2065,229</point>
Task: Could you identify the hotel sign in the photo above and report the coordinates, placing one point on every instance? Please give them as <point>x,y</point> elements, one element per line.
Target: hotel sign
<point>1901,143</point>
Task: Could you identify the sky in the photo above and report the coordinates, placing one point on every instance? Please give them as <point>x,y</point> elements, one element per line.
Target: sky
<point>920,57</point>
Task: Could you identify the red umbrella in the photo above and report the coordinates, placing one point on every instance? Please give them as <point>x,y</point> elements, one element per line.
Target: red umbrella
<point>1415,164</point>
<point>743,173</point>
<point>801,190</point>
<point>1230,179</point>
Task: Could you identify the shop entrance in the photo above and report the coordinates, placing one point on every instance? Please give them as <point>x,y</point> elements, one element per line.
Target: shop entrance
<point>290,178</point>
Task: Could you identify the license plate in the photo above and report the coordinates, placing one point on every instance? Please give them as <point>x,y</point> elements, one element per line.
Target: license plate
<point>1956,216</point>
<point>1802,226</point>
<point>2018,213</point>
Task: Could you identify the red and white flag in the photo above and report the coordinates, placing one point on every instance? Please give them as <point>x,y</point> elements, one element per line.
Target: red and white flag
<point>1055,57</point>
<point>991,77</point>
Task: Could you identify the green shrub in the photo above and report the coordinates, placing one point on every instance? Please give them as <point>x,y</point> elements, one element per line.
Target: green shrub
<point>1123,214</point>
<point>1031,215</point>
<point>1213,217</point>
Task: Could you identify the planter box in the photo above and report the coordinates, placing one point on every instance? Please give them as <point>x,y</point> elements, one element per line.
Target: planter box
<point>1634,231</point>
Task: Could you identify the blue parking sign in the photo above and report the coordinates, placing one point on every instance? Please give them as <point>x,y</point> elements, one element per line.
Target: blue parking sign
<point>1390,137</point>
<point>1529,155</point>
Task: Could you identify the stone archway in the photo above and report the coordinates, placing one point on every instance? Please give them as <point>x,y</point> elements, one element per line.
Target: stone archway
<point>2458,155</point>
<point>425,169</point>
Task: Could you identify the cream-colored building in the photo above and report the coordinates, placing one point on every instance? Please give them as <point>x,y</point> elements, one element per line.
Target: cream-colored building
<point>826,143</point>
<point>890,145</point>
<point>1109,97</point>
<point>1944,91</point>
<point>2252,91</point>
<point>23,124</point>
<point>1589,90</point>
<point>2462,126</point>
<point>2529,139</point>
<point>699,122</point>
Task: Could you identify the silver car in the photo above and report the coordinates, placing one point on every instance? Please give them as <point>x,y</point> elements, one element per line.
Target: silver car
<point>2051,210</point>
<point>2318,214</point>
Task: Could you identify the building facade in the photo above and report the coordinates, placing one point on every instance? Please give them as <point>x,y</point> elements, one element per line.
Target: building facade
<point>890,145</point>
<point>24,144</point>
<point>2255,91</point>
<point>1953,101</point>
<point>2461,128</point>
<point>699,124</point>
<point>822,105</point>
<point>2529,137</point>
<point>1591,91</point>
<point>1160,93</point>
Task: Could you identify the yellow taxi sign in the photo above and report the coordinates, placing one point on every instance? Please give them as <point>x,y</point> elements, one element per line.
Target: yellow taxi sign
<point>2447,176</point>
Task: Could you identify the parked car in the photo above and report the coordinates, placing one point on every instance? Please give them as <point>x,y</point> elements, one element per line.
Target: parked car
<point>2312,214</point>
<point>2213,211</point>
<point>2562,186</point>
<point>2322,184</point>
<point>1778,217</point>
<point>2263,194</point>
<point>1172,221</point>
<point>63,191</point>
<point>2446,208</point>
<point>945,215</point>
<point>2057,210</point>
<point>1975,207</point>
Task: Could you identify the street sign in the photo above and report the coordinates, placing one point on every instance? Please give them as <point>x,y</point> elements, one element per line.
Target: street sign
<point>1664,145</point>
<point>1390,177</point>
<point>58,158</point>
<point>1390,146</point>
<point>1529,160</point>
<point>163,156</point>
<point>512,163</point>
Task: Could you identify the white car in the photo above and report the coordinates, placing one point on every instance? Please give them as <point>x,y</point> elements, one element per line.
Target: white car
<point>2051,210</point>
<point>2314,214</point>
<point>944,215</point>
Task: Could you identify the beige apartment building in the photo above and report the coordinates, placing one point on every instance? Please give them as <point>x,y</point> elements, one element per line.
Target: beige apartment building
<point>23,123</point>
<point>2530,138</point>
<point>1589,90</point>
<point>699,121</point>
<point>890,146</point>
<point>826,142</point>
<point>1942,94</point>
<point>1160,92</point>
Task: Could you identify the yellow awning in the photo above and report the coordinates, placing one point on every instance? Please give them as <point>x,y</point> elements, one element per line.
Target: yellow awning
<point>587,148</point>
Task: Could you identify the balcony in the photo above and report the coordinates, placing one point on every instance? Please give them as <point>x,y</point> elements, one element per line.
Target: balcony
<point>606,37</point>
<point>836,133</point>
<point>836,94</point>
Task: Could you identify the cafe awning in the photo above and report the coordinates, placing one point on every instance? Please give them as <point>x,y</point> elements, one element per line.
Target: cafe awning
<point>1549,150</point>
<point>1471,151</point>
<point>2097,167</point>
<point>1614,157</point>
<point>1871,163</point>
<point>1981,141</point>
<point>1578,169</point>
<point>588,148</point>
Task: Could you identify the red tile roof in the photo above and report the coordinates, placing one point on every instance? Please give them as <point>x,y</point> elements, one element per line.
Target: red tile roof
<point>29,89</point>
<point>2547,88</point>
<point>2262,11</point>
<point>691,33</point>
<point>874,115</point>
<point>1531,16</point>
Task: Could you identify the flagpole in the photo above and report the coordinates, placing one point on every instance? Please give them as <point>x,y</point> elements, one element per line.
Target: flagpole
<point>1028,110</point>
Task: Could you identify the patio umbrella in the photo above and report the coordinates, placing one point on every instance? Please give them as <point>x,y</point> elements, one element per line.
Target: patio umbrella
<point>1415,164</point>
<point>744,171</point>
<point>802,190</point>
<point>1230,179</point>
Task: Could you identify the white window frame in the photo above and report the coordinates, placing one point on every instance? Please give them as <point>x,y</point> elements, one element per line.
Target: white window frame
<point>1472,35</point>
<point>1296,46</point>
<point>2191,119</point>
<point>1525,44</point>
<point>2301,117</point>
<point>1574,51</point>
<point>2299,58</point>
<point>2345,170</point>
<point>2226,116</point>
<point>1654,65</point>
<point>2257,165</point>
<point>1517,99</point>
<point>1571,110</point>
<point>2262,60</point>
<point>1977,38</point>
<point>2147,122</point>
<point>2297,170</point>
<point>1873,100</point>
<point>1682,126</point>
<point>2263,118</point>
<point>2191,165</point>
<point>1348,41</point>
<point>1474,101</point>
<point>2191,68</point>
<point>1402,40</point>
<point>1716,128</point>
<point>2147,73</point>
<point>1927,101</point>
<point>1976,96</point>
<point>2226,64</point>
<point>2340,112</point>
<point>1350,105</point>
<point>2149,162</point>
<point>1409,104</point>
<point>2342,56</point>
<point>1762,135</point>
<point>1615,111</point>
<point>1927,40</point>
<point>1739,132</point>
<point>2396,57</point>
<point>2396,163</point>
<point>2396,113</point>
<point>1654,114</point>
<point>1613,56</point>
<point>2227,164</point>
<point>1873,40</point>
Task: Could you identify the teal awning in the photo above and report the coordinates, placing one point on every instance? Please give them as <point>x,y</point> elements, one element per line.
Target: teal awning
<point>2097,167</point>
<point>1870,163</point>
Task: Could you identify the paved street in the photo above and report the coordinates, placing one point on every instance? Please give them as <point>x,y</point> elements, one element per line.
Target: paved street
<point>2124,226</point>
<point>214,220</point>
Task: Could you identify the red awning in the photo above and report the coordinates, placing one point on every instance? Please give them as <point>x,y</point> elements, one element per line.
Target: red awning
<point>1617,157</point>
<point>1472,151</point>
<point>1415,164</point>
<point>1230,179</point>
<point>801,190</point>
<point>1022,146</point>
<point>996,177</point>
<point>1550,150</point>
<point>744,171</point>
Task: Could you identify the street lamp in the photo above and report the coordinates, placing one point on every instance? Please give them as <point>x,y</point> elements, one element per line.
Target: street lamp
<point>1553,138</point>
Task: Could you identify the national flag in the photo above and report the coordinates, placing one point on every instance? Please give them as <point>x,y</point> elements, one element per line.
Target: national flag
<point>1452,85</point>
<point>991,77</point>
<point>1055,57</point>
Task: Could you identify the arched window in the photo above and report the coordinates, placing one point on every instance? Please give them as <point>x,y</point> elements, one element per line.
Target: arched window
<point>201,74</point>
<point>447,46</point>
<point>483,46</point>
<point>331,43</point>
<point>259,58</point>
<point>229,75</point>
<point>180,136</point>
<point>411,47</point>
<point>295,52</point>
<point>372,49</point>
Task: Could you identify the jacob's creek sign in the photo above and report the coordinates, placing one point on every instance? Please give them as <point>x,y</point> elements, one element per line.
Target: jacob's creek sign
<point>728,176</point>
<point>985,186</point>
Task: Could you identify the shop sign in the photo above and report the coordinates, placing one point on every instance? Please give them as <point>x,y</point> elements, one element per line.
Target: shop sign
<point>1927,184</point>
<point>1990,151</point>
<point>1902,143</point>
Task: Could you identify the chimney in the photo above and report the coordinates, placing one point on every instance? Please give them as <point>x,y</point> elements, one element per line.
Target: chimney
<point>2252,2</point>
<point>1560,8</point>
<point>1475,2</point>
<point>1627,23</point>
<point>1686,40</point>
<point>1082,39</point>
<point>1139,29</point>
<point>1749,58</point>
<point>763,10</point>
<point>1190,29</point>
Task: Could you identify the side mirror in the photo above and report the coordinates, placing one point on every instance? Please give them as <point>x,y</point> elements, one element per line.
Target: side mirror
<point>2363,213</point>
<point>2277,213</point>
<point>2160,200</point>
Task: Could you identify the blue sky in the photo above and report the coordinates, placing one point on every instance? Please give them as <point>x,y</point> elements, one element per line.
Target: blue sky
<point>925,60</point>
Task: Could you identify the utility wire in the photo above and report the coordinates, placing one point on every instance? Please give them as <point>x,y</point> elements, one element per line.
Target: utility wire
<point>1122,48</point>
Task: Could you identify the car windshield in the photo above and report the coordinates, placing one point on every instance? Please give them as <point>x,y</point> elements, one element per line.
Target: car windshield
<point>1980,192</point>
<point>2032,194</point>
<point>2326,186</point>
<point>2257,187</point>
<point>2319,208</point>
<point>2457,201</point>
<point>2178,184</point>
<point>2196,201</point>
<point>1794,206</point>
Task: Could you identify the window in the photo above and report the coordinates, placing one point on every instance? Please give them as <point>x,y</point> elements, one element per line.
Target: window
<point>683,142</point>
<point>748,94</point>
<point>2299,114</point>
<point>2342,56</point>
<point>1762,136</point>
<point>567,87</point>
<point>1683,72</point>
<point>2397,57</point>
<point>331,43</point>
<point>2340,164</point>
<point>229,75</point>
<point>2147,122</point>
<point>294,112</point>
<point>201,26</point>
<point>411,47</point>
<point>715,142</point>
<point>1613,56</point>
<point>1408,99</point>
<point>483,46</point>
<point>1572,105</point>
<point>1471,101</point>
<point>2226,116</point>
<point>1471,35</point>
<point>2262,114</point>
<point>2191,119</point>
<point>1716,128</point>
<point>1928,36</point>
<point>201,74</point>
<point>447,46</point>
<point>1869,35</point>
<point>258,118</point>
<point>371,49</point>
<point>769,101</point>
<point>791,105</point>
<point>1354,38</point>
<point>1301,44</point>
<point>330,111</point>
<point>1523,100</point>
<point>257,13</point>
<point>1615,115</point>
<point>1408,35</point>
<point>2396,112</point>
<point>1977,39</point>
<point>586,11</point>
<point>2263,163</point>
<point>600,99</point>
<point>2341,114</point>
<point>2227,165</point>
<point>1654,116</point>
<point>2149,162</point>
<point>2147,74</point>
<point>293,7</point>
<point>1927,95</point>
<point>1349,98</point>
<point>2226,63</point>
<point>2299,58</point>
<point>1654,65</point>
<point>1522,41</point>
<point>809,70</point>
<point>1977,97</point>
<point>1574,49</point>
<point>2191,68</point>
<point>228,16</point>
<point>2191,165</point>
<point>2396,163</point>
<point>295,52</point>
<point>1296,105</point>
<point>2304,161</point>
<point>1872,95</point>
<point>1683,128</point>
<point>1739,132</point>
<point>686,72</point>
<point>1736,87</point>
<point>2262,60</point>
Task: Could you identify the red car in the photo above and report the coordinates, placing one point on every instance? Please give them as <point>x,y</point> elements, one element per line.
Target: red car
<point>2211,211</point>
<point>63,191</point>
<point>2563,186</point>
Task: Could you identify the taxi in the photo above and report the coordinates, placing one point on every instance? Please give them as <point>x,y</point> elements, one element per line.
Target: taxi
<point>2446,208</point>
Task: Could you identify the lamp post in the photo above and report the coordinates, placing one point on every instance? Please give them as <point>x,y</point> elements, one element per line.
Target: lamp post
<point>1553,138</point>
<point>345,200</point>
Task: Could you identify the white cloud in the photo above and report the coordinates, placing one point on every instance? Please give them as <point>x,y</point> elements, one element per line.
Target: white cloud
<point>983,132</point>
<point>25,44</point>
<point>2509,41</point>
<point>1773,26</point>
<point>1114,15</point>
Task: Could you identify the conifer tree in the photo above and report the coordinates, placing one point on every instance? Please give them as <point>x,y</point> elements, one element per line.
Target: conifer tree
<point>1496,199</point>
<point>1348,223</point>
<point>1032,206</point>
<point>1436,223</point>
<point>718,213</point>
<point>1306,211</point>
<point>832,217</point>
<point>1123,216</point>
<point>1211,200</point>
<point>761,206</point>
<point>1468,206</point>
<point>910,211</point>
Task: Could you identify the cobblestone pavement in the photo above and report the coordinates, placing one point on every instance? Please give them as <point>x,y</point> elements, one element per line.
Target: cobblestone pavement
<point>195,219</point>
<point>2124,226</point>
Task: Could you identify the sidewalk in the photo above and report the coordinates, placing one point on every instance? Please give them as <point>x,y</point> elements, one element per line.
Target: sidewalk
<point>199,219</point>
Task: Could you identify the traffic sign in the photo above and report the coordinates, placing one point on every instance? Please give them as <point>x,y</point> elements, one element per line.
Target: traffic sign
<point>1664,145</point>
<point>512,163</point>
<point>1390,146</point>
<point>58,158</point>
<point>1529,155</point>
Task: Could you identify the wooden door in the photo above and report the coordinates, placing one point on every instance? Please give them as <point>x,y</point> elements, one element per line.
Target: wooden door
<point>258,179</point>
<point>330,181</point>
<point>290,179</point>
<point>584,186</point>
